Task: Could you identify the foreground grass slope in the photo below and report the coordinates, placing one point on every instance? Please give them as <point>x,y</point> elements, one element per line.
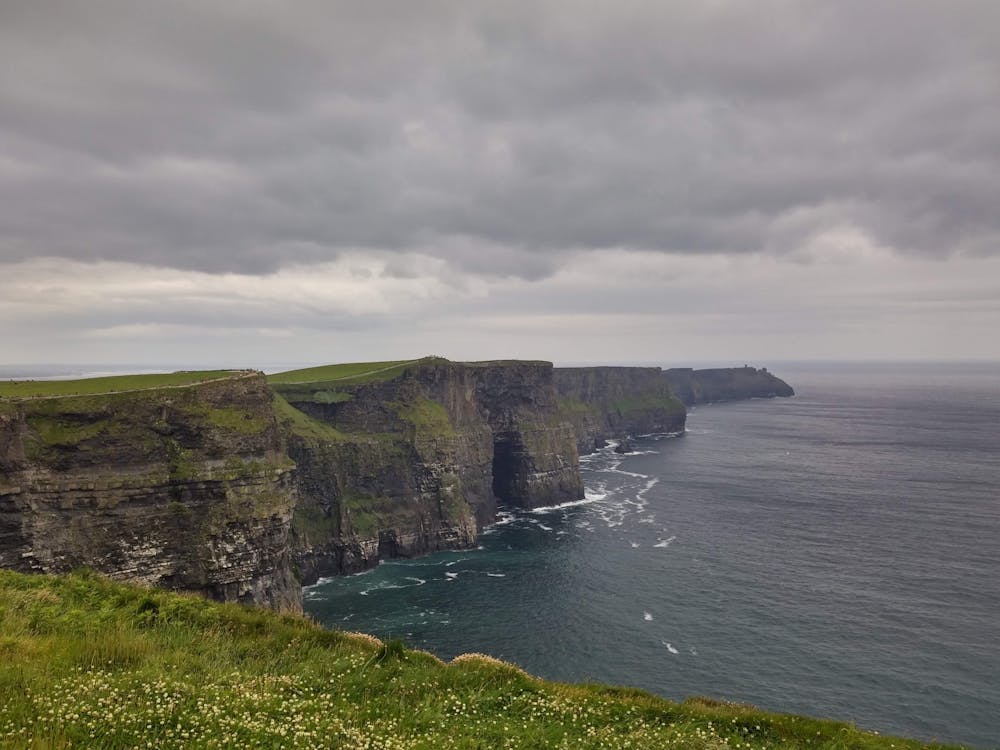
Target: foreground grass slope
<point>85,662</point>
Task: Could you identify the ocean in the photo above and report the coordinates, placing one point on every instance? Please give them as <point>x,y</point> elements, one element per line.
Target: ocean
<point>834,554</point>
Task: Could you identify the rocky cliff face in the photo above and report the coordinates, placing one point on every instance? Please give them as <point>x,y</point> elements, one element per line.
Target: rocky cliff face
<point>183,488</point>
<point>418,461</point>
<point>241,490</point>
<point>725,384</point>
<point>613,402</point>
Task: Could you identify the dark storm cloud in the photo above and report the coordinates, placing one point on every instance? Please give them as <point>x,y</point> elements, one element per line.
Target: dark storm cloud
<point>500,136</point>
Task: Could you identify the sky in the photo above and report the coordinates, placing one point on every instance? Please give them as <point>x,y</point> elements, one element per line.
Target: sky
<point>242,183</point>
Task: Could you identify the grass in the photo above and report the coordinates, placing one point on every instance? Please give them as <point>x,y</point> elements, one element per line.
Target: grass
<point>89,663</point>
<point>311,393</point>
<point>574,405</point>
<point>647,403</point>
<point>91,386</point>
<point>428,417</point>
<point>101,424</point>
<point>303,425</point>
<point>352,372</point>
<point>230,418</point>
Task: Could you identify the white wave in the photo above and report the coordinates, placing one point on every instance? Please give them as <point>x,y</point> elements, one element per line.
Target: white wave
<point>608,447</point>
<point>451,576</point>
<point>635,545</point>
<point>391,586</point>
<point>320,582</point>
<point>660,435</point>
<point>670,648</point>
<point>503,519</point>
<point>648,519</point>
<point>587,498</point>
<point>497,575</point>
<point>647,616</point>
<point>665,542</point>
<point>543,527</point>
<point>650,484</point>
<point>614,469</point>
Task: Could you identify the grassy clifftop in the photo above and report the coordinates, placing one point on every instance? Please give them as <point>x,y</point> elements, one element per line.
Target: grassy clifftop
<point>111,384</point>
<point>89,663</point>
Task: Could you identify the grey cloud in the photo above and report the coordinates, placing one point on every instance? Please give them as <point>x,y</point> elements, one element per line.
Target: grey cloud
<point>247,136</point>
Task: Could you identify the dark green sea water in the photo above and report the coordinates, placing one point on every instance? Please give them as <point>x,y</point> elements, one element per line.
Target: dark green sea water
<point>834,554</point>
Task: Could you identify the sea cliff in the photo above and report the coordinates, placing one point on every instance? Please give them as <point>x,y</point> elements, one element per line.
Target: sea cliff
<point>615,402</point>
<point>185,488</point>
<point>417,458</point>
<point>243,487</point>
<point>724,384</point>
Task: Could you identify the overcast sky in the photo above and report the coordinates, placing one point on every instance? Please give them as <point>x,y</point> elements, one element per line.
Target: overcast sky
<point>253,182</point>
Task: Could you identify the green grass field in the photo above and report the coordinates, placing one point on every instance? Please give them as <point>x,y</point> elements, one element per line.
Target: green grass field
<point>89,663</point>
<point>94,386</point>
<point>352,372</point>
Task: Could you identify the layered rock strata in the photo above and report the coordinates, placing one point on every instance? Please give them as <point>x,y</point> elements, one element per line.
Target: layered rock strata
<point>183,488</point>
<point>418,461</point>
<point>605,403</point>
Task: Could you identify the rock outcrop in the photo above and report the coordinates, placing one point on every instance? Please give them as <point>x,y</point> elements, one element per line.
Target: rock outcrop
<point>182,488</point>
<point>417,461</point>
<point>725,384</point>
<point>605,403</point>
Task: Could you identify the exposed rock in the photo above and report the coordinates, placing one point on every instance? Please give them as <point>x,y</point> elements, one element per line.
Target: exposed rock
<point>186,489</point>
<point>725,384</point>
<point>418,462</point>
<point>624,446</point>
<point>605,403</point>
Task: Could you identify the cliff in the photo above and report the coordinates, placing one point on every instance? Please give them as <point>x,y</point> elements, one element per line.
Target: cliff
<point>242,488</point>
<point>178,487</point>
<point>614,402</point>
<point>409,459</point>
<point>724,384</point>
